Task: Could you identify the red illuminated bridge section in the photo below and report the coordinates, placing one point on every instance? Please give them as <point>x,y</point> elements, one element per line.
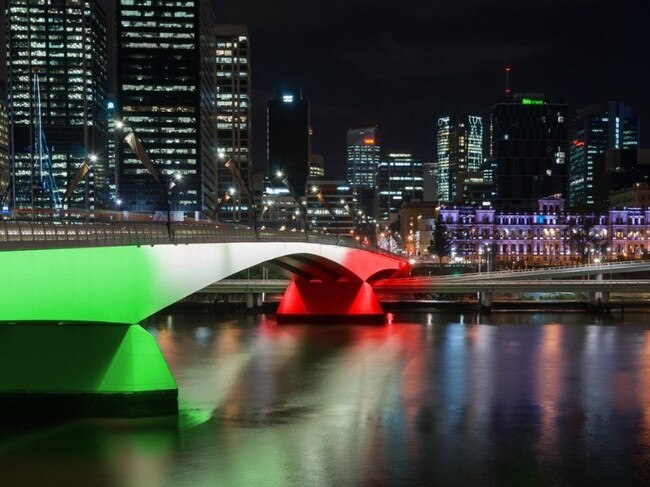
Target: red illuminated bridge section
<point>97,279</point>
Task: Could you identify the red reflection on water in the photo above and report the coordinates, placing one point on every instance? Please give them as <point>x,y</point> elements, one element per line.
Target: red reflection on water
<point>550,366</point>
<point>644,398</point>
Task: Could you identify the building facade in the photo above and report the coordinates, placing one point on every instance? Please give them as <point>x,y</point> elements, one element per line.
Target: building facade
<point>363,153</point>
<point>166,85</point>
<point>595,129</point>
<point>56,92</point>
<point>5,172</point>
<point>529,136</point>
<point>288,145</point>
<point>316,166</point>
<point>548,236</point>
<point>331,207</point>
<point>234,116</point>
<point>459,150</point>
<point>399,180</point>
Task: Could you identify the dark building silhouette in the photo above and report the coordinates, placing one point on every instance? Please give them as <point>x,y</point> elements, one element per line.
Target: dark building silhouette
<point>166,81</point>
<point>529,144</point>
<point>596,129</point>
<point>288,138</point>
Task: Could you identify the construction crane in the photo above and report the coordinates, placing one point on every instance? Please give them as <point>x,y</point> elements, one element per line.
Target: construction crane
<point>46,181</point>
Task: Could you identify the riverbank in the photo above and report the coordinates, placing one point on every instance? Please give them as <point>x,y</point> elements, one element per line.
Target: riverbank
<point>532,306</point>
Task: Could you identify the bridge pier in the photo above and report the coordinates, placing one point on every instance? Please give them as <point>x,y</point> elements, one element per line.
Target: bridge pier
<point>599,299</point>
<point>83,370</point>
<point>485,300</point>
<point>254,300</point>
<point>330,302</point>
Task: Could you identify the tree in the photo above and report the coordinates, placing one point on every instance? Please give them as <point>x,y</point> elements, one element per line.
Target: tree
<point>439,244</point>
<point>581,236</point>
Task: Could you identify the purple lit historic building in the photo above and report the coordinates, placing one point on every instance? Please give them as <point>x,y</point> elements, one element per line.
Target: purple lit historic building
<point>548,236</point>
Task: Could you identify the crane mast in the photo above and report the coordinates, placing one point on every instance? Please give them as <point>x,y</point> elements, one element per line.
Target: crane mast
<point>46,180</point>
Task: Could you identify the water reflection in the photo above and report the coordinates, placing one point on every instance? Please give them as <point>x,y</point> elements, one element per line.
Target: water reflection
<point>429,398</point>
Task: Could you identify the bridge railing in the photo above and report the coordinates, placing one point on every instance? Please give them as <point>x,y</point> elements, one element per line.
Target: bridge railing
<point>16,235</point>
<point>603,266</point>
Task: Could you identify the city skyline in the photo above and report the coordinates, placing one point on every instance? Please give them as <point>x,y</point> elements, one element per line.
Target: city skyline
<point>406,68</point>
<point>456,67</point>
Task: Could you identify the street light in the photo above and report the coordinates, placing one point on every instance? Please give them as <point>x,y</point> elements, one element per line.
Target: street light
<point>292,192</point>
<point>243,184</point>
<point>136,146</point>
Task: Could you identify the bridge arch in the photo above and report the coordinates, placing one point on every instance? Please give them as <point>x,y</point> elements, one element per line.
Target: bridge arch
<point>126,284</point>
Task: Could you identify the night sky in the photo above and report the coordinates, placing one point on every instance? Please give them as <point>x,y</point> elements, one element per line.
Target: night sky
<point>400,65</point>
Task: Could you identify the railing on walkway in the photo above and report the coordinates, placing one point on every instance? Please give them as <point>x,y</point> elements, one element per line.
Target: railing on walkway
<point>603,267</point>
<point>16,235</point>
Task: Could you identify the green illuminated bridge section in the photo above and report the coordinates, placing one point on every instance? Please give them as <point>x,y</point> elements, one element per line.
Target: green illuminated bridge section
<point>123,273</point>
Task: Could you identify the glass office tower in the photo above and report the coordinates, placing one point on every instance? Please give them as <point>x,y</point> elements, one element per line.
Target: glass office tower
<point>363,151</point>
<point>166,82</point>
<point>233,117</point>
<point>460,149</point>
<point>596,129</point>
<point>57,80</point>
<point>399,180</point>
<point>529,136</point>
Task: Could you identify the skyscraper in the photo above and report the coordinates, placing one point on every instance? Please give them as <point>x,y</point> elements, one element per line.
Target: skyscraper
<point>399,180</point>
<point>460,149</point>
<point>233,115</point>
<point>595,129</point>
<point>362,157</point>
<point>529,143</point>
<point>57,80</point>
<point>288,138</point>
<point>4,154</point>
<point>166,85</point>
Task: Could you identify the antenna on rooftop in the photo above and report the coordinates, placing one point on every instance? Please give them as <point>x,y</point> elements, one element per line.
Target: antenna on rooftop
<point>507,90</point>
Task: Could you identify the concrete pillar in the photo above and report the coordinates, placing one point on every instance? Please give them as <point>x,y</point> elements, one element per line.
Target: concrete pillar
<point>83,370</point>
<point>599,298</point>
<point>330,302</point>
<point>259,300</point>
<point>250,300</point>
<point>485,300</point>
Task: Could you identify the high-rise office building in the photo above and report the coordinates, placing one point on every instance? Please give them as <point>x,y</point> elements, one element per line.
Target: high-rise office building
<point>399,180</point>
<point>460,149</point>
<point>288,138</point>
<point>316,166</point>
<point>330,206</point>
<point>233,116</point>
<point>57,80</point>
<point>529,142</point>
<point>111,168</point>
<point>595,129</point>
<point>166,85</point>
<point>4,154</point>
<point>362,157</point>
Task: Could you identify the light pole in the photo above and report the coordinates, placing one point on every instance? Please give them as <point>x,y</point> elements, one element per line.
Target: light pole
<point>292,192</point>
<point>243,184</point>
<point>141,153</point>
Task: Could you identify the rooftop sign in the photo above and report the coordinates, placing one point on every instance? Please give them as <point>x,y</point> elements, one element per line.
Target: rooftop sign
<point>532,101</point>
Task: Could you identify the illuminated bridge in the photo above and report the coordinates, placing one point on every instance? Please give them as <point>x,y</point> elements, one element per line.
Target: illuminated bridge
<point>66,282</point>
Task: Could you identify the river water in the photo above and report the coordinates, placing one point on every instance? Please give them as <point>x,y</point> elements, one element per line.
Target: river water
<point>427,399</point>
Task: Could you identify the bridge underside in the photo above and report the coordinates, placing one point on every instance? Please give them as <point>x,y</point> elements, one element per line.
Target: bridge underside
<point>109,368</point>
